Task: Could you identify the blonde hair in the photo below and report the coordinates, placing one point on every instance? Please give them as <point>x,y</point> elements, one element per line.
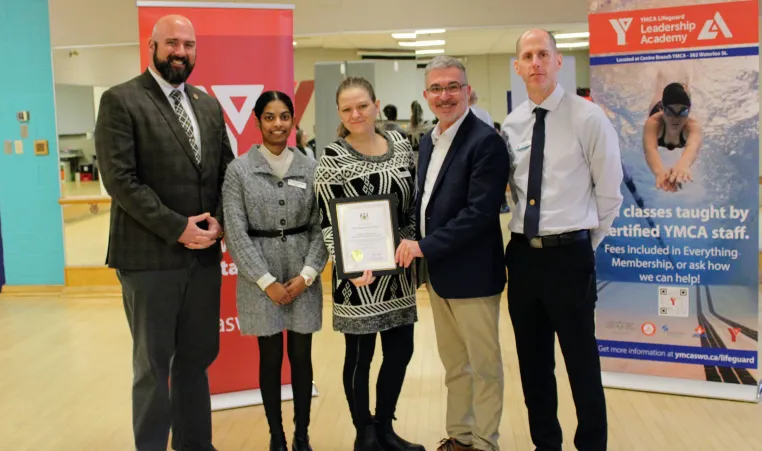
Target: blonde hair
<point>353,82</point>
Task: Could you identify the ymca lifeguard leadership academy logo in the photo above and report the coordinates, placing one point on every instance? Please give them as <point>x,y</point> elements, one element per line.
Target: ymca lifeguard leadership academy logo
<point>686,27</point>
<point>710,29</point>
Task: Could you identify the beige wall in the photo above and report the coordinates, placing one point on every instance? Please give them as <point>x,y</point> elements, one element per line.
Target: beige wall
<point>116,21</point>
<point>96,66</point>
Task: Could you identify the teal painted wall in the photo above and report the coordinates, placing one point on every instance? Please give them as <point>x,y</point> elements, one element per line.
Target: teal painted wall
<point>32,226</point>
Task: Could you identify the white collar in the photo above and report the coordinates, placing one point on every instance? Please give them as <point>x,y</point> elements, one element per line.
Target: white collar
<point>164,84</point>
<point>450,133</point>
<point>551,102</point>
<point>271,156</point>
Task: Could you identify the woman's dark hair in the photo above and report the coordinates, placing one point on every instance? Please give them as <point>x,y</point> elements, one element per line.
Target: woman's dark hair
<point>390,111</point>
<point>267,97</point>
<point>416,114</point>
<point>353,82</point>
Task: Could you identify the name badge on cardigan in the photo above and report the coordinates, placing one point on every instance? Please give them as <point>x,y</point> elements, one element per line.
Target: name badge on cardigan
<point>405,173</point>
<point>297,184</point>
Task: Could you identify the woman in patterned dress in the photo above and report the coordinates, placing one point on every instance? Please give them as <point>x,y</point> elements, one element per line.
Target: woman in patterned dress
<point>367,161</point>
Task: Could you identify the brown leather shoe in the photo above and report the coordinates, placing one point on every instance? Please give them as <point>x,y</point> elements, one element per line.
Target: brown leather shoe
<point>450,444</point>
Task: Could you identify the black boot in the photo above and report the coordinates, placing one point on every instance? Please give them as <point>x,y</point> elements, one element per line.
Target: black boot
<point>366,439</point>
<point>390,441</point>
<point>301,444</point>
<point>278,441</point>
<point>302,404</point>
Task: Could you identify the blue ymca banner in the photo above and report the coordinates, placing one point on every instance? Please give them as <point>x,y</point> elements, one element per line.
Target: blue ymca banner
<point>678,272</point>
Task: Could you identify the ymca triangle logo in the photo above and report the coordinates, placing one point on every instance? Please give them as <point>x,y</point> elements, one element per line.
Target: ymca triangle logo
<point>226,93</point>
<point>713,26</point>
<point>621,25</point>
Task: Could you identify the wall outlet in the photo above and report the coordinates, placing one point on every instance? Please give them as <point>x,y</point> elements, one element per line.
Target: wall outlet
<point>19,146</point>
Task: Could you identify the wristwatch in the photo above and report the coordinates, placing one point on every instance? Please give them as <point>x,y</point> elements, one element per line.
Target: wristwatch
<point>307,280</point>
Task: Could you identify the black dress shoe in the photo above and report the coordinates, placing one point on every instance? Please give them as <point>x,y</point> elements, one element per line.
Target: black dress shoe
<point>390,441</point>
<point>301,444</point>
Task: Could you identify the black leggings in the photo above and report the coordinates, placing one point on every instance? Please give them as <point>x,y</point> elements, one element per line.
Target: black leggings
<point>397,345</point>
<point>270,365</point>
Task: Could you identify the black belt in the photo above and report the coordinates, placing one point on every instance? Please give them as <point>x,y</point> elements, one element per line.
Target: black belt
<point>277,233</point>
<point>561,239</point>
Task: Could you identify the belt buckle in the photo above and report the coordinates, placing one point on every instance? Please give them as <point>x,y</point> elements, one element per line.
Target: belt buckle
<point>536,242</point>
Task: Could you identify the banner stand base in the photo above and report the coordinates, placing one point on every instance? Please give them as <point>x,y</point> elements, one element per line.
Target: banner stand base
<point>233,400</point>
<point>685,387</point>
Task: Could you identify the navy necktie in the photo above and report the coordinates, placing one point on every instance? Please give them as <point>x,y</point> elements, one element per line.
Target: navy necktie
<point>534,184</point>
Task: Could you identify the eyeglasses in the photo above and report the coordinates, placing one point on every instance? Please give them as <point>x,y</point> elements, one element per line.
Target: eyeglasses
<point>452,88</point>
<point>683,112</point>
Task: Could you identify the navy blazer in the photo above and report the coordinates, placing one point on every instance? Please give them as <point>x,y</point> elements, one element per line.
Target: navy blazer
<point>463,246</point>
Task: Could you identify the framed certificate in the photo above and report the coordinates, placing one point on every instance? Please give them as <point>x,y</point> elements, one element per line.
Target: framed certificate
<point>365,235</point>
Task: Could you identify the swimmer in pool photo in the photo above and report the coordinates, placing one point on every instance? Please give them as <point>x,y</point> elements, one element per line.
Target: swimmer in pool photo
<point>669,126</point>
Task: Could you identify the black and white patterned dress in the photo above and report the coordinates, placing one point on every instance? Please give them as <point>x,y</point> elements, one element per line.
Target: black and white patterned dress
<point>344,172</point>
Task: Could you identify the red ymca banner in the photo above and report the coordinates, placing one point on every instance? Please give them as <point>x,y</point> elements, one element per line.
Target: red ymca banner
<point>689,26</point>
<point>242,50</point>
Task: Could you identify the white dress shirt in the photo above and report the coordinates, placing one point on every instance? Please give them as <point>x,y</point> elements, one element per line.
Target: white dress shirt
<point>280,164</point>
<point>442,142</point>
<point>184,101</point>
<point>582,168</point>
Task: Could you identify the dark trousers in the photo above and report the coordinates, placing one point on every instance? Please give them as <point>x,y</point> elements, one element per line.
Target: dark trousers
<point>397,346</point>
<point>270,365</point>
<point>553,291</point>
<point>174,317</point>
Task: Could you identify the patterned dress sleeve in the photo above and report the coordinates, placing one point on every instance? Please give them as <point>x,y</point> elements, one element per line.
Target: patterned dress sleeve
<point>317,255</point>
<point>328,185</point>
<point>407,232</point>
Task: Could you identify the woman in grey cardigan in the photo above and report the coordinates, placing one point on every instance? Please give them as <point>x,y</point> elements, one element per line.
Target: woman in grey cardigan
<point>272,229</point>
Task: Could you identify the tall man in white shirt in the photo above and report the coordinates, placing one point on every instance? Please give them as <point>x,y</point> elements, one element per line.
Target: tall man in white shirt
<point>463,172</point>
<point>565,180</point>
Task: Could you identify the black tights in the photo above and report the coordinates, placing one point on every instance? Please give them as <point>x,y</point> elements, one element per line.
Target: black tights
<point>270,365</point>
<point>397,345</point>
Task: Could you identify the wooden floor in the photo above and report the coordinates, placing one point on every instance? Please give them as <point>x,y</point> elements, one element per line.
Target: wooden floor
<point>65,380</point>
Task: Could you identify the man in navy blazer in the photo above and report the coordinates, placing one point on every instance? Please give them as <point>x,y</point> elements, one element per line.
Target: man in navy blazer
<point>463,168</point>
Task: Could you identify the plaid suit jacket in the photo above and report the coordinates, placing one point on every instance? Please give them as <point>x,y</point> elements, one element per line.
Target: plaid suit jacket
<point>148,167</point>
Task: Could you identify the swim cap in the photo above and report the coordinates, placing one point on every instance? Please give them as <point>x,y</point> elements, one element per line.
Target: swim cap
<point>674,94</point>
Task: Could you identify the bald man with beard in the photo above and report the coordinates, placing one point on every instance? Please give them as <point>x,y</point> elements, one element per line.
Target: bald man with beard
<point>163,149</point>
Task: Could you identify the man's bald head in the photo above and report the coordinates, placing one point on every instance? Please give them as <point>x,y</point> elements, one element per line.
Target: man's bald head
<point>167,25</point>
<point>533,33</point>
<point>537,63</point>
<point>173,47</point>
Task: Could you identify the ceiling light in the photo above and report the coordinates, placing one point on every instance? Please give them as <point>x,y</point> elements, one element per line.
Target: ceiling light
<point>429,51</point>
<point>403,35</point>
<point>572,45</point>
<point>585,34</point>
<point>433,31</point>
<point>421,43</point>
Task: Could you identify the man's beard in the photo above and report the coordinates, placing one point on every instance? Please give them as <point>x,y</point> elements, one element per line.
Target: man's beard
<point>173,75</point>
